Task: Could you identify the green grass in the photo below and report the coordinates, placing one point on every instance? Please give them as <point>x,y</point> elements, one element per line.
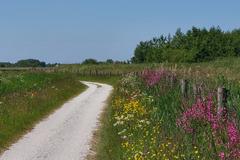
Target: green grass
<point>16,115</point>
<point>25,81</point>
<point>106,143</point>
<point>26,98</point>
<point>168,103</point>
<point>108,146</point>
<point>229,67</point>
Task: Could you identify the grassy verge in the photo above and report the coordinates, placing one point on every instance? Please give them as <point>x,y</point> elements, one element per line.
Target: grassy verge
<point>26,98</point>
<point>229,67</point>
<point>150,119</point>
<point>138,110</point>
<point>105,144</point>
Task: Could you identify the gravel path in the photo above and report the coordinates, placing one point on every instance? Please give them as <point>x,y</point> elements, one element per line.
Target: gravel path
<point>67,133</point>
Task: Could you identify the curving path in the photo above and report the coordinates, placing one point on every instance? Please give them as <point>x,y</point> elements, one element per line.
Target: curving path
<point>66,134</point>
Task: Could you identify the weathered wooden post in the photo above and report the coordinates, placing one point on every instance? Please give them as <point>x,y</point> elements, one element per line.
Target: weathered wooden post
<point>184,87</point>
<point>195,91</point>
<point>172,80</point>
<point>222,95</point>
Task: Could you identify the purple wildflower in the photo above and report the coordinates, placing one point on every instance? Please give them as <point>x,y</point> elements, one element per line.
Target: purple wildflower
<point>233,134</point>
<point>152,77</point>
<point>221,155</point>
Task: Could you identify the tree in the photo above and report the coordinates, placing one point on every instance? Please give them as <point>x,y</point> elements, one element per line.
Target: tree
<point>30,63</point>
<point>5,64</point>
<point>90,61</point>
<point>109,61</point>
<point>235,34</point>
<point>196,45</point>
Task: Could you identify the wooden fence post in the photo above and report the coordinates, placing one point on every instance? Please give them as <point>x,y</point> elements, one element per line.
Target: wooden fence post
<point>195,91</point>
<point>184,87</point>
<point>222,95</point>
<point>172,80</point>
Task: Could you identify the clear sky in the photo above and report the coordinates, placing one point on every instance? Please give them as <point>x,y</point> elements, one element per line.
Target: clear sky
<point>68,31</point>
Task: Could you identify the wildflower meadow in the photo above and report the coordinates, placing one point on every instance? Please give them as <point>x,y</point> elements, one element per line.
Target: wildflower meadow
<point>155,118</point>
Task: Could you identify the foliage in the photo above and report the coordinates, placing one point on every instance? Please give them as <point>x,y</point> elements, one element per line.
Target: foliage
<point>30,63</point>
<point>5,64</point>
<point>109,61</point>
<point>26,63</point>
<point>196,45</point>
<point>90,61</point>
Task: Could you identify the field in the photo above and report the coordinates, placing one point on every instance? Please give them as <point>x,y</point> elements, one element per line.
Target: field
<point>150,117</point>
<point>229,67</point>
<point>27,97</point>
<point>157,111</point>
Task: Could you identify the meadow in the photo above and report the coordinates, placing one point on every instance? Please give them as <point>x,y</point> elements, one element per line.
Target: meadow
<point>153,120</point>
<point>229,67</point>
<point>26,97</point>
<point>150,116</point>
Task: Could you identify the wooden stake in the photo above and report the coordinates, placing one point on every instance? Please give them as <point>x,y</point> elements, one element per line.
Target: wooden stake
<point>184,87</point>
<point>172,80</point>
<point>195,91</point>
<point>222,94</point>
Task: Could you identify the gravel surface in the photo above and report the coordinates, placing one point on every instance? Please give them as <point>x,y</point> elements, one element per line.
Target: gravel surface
<point>66,134</point>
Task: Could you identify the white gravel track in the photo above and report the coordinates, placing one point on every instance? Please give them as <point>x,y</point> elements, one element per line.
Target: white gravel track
<point>66,134</point>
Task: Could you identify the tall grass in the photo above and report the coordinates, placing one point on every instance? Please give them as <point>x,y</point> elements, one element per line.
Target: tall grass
<point>153,120</point>
<point>25,98</point>
<point>166,104</point>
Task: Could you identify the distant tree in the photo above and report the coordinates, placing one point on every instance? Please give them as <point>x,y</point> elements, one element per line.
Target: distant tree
<point>30,63</point>
<point>140,52</point>
<point>235,37</point>
<point>90,61</point>
<point>5,64</point>
<point>109,61</point>
<point>178,39</point>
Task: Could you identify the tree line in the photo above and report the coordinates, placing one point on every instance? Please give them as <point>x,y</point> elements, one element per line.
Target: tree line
<point>26,63</point>
<point>38,63</point>
<point>195,45</point>
<point>91,61</point>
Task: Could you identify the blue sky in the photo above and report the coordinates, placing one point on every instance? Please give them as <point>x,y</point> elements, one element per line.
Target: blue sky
<point>68,31</point>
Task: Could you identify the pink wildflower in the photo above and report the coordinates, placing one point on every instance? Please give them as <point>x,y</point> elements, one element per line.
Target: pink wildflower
<point>205,112</point>
<point>222,155</point>
<point>200,111</point>
<point>152,77</point>
<point>233,134</point>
